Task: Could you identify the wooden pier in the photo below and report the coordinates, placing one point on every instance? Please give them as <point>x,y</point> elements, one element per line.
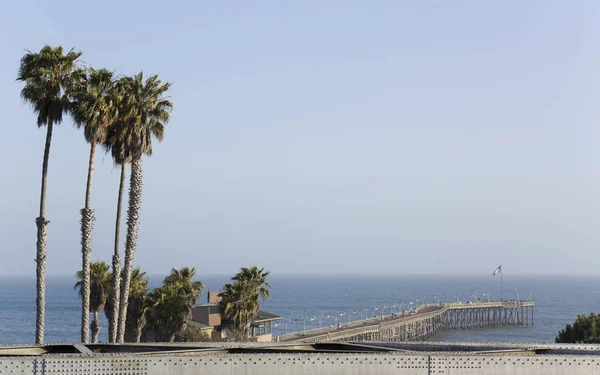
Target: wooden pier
<point>427,321</point>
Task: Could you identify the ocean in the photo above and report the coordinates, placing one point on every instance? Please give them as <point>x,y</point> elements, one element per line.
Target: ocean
<point>304,300</point>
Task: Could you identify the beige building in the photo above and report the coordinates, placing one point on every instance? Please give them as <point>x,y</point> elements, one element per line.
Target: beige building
<point>208,319</point>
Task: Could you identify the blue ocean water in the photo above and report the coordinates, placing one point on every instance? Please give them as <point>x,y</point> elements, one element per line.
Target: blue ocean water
<point>299,298</point>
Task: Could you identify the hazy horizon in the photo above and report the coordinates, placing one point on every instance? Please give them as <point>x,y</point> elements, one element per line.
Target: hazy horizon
<point>342,275</point>
<point>325,137</point>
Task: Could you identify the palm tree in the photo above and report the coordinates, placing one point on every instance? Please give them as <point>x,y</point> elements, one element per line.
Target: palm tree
<point>170,306</point>
<point>240,301</point>
<point>116,260</point>
<point>94,110</point>
<point>144,113</point>
<point>100,278</point>
<point>236,305</point>
<point>136,318</point>
<point>257,278</point>
<point>136,312</point>
<point>120,158</point>
<point>47,76</point>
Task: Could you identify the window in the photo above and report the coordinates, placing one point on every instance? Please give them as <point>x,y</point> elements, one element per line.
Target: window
<point>263,328</point>
<point>260,330</point>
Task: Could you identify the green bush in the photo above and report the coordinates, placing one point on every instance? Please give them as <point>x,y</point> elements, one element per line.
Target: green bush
<point>585,330</point>
<point>192,334</point>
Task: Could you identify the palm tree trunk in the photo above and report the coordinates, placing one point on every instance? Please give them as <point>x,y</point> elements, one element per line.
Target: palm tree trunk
<point>138,333</point>
<point>116,263</point>
<point>41,223</point>
<point>87,225</point>
<point>95,327</point>
<point>133,213</point>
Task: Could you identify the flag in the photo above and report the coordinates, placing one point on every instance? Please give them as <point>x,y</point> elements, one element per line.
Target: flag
<point>497,271</point>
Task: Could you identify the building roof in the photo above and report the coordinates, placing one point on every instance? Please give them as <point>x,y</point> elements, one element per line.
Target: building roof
<point>264,316</point>
<point>261,316</point>
<point>206,304</point>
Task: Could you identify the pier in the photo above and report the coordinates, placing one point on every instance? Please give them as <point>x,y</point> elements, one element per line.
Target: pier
<point>425,322</point>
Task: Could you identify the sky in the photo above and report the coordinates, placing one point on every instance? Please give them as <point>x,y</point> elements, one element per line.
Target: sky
<point>326,137</point>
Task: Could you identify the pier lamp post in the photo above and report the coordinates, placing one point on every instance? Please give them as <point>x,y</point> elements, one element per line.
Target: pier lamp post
<point>457,296</point>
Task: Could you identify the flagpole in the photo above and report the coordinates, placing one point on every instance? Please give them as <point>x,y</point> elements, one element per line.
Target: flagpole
<point>501,296</point>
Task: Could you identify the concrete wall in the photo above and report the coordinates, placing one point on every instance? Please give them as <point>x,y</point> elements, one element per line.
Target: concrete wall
<point>213,297</point>
<point>200,314</point>
<point>291,364</point>
<point>264,338</point>
<point>214,320</point>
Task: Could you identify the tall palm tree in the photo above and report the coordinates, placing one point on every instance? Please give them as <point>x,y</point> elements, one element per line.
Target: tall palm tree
<point>170,306</point>
<point>240,301</point>
<point>100,279</point>
<point>116,260</point>
<point>94,110</point>
<point>144,112</point>
<point>47,76</point>
<point>115,146</point>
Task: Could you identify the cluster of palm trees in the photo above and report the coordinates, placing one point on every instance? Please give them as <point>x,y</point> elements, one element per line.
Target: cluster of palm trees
<point>157,315</point>
<point>123,115</point>
<point>161,314</point>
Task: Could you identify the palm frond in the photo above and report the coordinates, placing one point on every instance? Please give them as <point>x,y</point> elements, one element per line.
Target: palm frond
<point>143,112</point>
<point>100,285</point>
<point>48,75</point>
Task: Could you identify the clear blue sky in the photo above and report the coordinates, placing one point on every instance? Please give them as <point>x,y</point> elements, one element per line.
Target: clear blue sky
<point>326,136</point>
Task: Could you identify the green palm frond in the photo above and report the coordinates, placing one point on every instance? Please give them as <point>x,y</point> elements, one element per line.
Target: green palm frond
<point>240,300</point>
<point>170,305</point>
<point>48,76</point>
<point>100,285</point>
<point>143,112</point>
<point>93,104</point>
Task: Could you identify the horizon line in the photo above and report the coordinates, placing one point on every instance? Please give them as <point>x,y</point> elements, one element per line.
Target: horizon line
<point>228,275</point>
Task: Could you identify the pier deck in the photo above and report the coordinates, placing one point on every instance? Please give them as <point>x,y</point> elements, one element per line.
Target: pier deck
<point>427,321</point>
